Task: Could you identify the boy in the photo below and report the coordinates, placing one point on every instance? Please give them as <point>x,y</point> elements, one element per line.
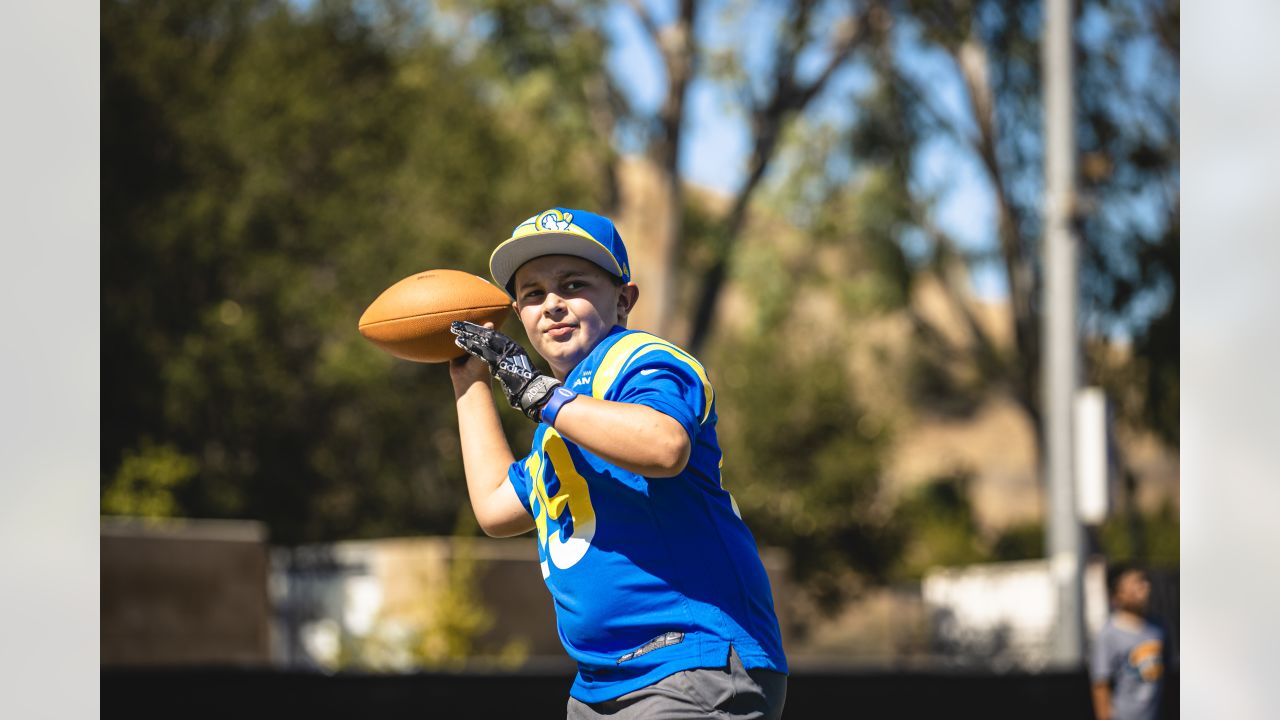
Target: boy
<point>659,592</point>
<point>1127,663</point>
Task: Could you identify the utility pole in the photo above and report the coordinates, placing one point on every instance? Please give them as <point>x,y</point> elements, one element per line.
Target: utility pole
<point>1064,539</point>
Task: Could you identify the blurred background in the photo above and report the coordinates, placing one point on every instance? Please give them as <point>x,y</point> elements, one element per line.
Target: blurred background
<point>838,206</point>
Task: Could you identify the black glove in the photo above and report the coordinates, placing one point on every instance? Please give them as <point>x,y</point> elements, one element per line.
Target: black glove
<point>527,389</point>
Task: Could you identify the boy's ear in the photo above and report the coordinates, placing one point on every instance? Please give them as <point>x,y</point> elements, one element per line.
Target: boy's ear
<point>627,296</point>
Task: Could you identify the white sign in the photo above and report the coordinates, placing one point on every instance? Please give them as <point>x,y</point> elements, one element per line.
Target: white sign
<point>1093,474</point>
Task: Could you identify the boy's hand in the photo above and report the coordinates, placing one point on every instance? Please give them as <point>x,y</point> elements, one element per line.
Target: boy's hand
<point>526,389</point>
<point>467,370</point>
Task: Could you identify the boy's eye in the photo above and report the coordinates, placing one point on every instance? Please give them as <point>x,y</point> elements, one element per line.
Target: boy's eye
<point>529,294</point>
<point>574,285</point>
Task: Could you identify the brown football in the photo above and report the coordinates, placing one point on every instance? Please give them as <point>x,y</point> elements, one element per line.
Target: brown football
<point>411,318</point>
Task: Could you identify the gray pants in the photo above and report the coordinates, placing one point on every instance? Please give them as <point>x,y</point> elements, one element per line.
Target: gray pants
<point>728,692</point>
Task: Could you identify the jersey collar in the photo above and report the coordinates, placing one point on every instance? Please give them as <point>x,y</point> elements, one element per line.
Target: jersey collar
<point>579,378</point>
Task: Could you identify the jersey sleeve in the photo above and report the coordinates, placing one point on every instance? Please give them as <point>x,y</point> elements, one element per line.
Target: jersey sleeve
<point>521,482</point>
<point>1100,669</point>
<point>668,380</point>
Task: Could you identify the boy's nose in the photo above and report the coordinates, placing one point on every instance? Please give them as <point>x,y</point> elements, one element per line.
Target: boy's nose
<point>553,304</point>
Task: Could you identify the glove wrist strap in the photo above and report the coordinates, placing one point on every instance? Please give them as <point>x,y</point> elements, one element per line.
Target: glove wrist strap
<point>559,397</point>
<point>533,397</point>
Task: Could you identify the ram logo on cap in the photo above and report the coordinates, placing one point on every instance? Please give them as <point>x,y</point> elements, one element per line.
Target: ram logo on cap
<point>555,220</point>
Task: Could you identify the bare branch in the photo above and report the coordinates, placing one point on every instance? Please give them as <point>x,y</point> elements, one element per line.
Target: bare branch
<point>848,36</point>
<point>767,121</point>
<point>603,104</point>
<point>788,50</point>
<point>989,357</point>
<point>937,118</point>
<point>646,20</point>
<point>929,333</point>
<point>677,44</point>
<point>971,58</point>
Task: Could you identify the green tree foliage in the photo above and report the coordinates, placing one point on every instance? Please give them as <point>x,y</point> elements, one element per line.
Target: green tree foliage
<point>1024,541</point>
<point>802,450</point>
<point>938,527</point>
<point>266,173</point>
<point>1147,538</point>
<point>1126,69</point>
<point>459,618</point>
<point>445,625</point>
<point>147,481</point>
<point>803,462</point>
<point>268,170</point>
<point>1129,141</point>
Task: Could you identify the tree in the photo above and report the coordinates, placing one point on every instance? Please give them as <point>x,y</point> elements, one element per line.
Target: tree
<point>527,38</point>
<point>1130,180</point>
<point>266,172</point>
<point>1128,137</point>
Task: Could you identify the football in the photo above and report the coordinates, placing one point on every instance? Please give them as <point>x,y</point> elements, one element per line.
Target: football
<point>411,319</point>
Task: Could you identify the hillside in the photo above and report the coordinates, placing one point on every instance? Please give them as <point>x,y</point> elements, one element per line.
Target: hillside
<point>990,439</point>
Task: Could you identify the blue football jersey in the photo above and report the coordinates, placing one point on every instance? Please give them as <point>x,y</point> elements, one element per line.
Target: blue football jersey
<point>649,576</point>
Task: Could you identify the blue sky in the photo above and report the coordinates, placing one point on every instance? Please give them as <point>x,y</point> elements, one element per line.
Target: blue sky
<point>716,142</point>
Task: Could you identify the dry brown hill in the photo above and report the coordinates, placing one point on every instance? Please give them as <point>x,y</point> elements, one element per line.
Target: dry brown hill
<point>994,443</point>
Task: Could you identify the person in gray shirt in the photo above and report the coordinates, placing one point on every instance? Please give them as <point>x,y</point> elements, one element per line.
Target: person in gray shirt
<point>1127,663</point>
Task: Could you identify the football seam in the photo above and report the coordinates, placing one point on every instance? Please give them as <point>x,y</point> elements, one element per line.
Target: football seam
<point>440,312</point>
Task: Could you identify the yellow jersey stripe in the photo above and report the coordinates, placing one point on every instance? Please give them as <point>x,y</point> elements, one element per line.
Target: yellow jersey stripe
<point>629,349</point>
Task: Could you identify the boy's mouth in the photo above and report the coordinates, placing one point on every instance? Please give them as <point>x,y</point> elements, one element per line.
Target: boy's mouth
<point>559,331</point>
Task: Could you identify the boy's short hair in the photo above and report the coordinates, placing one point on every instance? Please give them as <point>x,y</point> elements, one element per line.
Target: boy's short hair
<point>561,231</point>
<point>1116,571</point>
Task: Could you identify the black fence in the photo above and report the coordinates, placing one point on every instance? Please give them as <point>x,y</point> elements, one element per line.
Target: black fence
<point>241,694</point>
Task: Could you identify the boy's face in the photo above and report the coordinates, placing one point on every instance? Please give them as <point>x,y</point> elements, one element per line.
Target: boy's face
<point>1133,592</point>
<point>567,305</point>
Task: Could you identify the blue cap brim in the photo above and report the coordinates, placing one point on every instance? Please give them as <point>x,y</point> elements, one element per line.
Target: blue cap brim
<point>510,255</point>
